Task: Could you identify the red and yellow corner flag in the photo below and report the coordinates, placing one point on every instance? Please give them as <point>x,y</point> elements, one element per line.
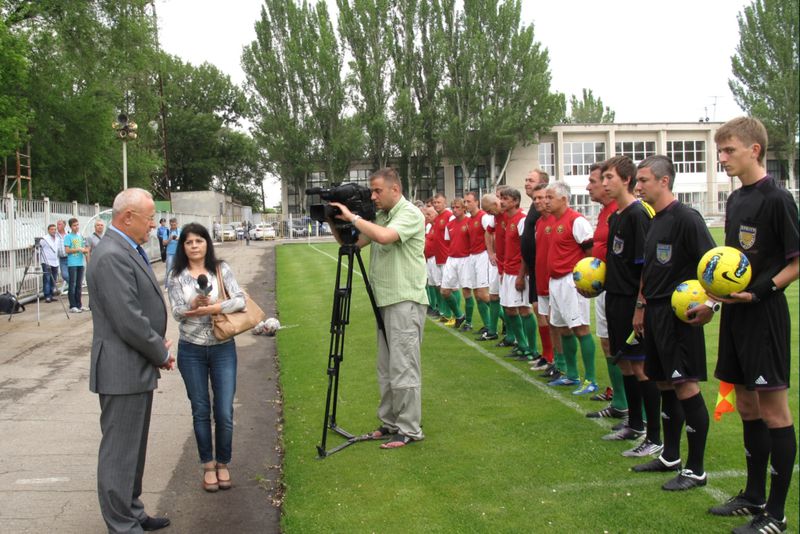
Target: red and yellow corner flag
<point>726,400</point>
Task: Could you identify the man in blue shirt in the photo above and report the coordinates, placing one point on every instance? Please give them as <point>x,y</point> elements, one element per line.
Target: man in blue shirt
<point>76,249</point>
<point>172,248</point>
<point>163,236</point>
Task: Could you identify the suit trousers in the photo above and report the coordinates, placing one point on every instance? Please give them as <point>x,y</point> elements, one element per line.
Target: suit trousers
<point>399,368</point>
<point>125,423</point>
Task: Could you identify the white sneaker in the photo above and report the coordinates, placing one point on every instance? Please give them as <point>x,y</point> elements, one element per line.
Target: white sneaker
<point>83,309</point>
<point>645,448</point>
<point>75,310</point>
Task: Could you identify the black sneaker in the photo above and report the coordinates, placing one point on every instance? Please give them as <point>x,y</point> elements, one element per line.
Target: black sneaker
<point>483,330</point>
<point>466,327</point>
<point>622,424</point>
<point>606,395</point>
<point>505,343</point>
<point>685,480</point>
<point>551,372</point>
<point>762,523</point>
<point>657,465</point>
<point>608,411</point>
<point>738,505</point>
<point>623,434</point>
<point>460,321</point>
<point>486,336</point>
<point>540,365</point>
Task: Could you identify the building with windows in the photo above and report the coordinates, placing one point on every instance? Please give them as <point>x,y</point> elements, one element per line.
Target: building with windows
<point>568,151</point>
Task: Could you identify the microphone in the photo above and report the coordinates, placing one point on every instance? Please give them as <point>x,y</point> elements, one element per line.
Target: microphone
<point>203,287</point>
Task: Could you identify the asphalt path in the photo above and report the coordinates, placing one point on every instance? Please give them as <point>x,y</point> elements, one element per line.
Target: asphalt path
<point>50,431</point>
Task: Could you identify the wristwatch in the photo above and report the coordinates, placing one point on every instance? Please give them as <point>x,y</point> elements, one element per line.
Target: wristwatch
<point>714,305</point>
<point>640,304</point>
<point>354,219</point>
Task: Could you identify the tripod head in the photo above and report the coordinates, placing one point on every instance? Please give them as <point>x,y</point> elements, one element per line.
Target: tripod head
<point>347,232</point>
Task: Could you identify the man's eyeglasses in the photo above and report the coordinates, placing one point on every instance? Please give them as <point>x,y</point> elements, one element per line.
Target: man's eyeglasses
<point>151,218</point>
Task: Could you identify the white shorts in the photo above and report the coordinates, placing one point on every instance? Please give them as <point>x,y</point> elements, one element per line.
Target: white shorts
<point>543,302</point>
<point>494,280</point>
<point>479,270</point>
<point>600,315</point>
<point>434,272</point>
<point>456,273</point>
<point>509,296</point>
<point>567,306</point>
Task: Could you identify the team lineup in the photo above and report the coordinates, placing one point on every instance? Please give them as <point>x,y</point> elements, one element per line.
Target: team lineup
<point>655,276</point>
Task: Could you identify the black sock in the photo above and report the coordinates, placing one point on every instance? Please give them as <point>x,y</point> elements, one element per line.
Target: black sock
<point>652,407</point>
<point>756,451</point>
<point>634,395</point>
<point>696,431</point>
<point>672,420</point>
<point>782,453</point>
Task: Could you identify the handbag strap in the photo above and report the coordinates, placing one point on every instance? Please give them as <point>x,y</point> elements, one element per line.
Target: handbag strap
<point>221,282</point>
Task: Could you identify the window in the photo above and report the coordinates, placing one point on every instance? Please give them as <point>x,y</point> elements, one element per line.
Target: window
<point>440,180</point>
<point>424,186</point>
<point>578,157</point>
<point>476,183</point>
<point>722,201</point>
<point>459,175</point>
<point>583,204</point>
<point>293,199</point>
<point>636,150</point>
<point>694,199</point>
<point>317,179</point>
<point>360,176</point>
<point>688,156</point>
<point>547,158</point>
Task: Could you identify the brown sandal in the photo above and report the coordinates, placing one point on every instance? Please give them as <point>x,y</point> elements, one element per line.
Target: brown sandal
<point>210,487</point>
<point>224,484</point>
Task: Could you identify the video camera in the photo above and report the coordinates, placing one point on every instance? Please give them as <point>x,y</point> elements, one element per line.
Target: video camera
<point>356,197</point>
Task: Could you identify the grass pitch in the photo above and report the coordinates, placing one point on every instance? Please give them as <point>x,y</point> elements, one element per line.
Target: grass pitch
<point>503,452</point>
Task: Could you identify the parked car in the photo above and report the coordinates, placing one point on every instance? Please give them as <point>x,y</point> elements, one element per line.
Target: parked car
<point>228,233</point>
<point>262,231</point>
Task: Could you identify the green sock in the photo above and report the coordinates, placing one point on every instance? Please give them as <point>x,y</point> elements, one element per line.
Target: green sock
<point>469,307</point>
<point>559,360</point>
<point>509,331</point>
<point>457,296</point>
<point>618,401</point>
<point>452,304</point>
<point>444,308</point>
<point>587,352</point>
<point>483,311</point>
<point>494,316</point>
<point>529,326</point>
<point>514,323</point>
<point>570,345</point>
<point>431,296</point>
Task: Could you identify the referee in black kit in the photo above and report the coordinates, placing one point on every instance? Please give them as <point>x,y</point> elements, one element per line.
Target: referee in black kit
<point>754,338</point>
<point>676,351</point>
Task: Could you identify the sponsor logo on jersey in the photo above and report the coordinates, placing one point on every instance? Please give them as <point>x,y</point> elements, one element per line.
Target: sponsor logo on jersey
<point>465,228</point>
<point>747,236</point>
<point>618,245</point>
<point>560,229</point>
<point>761,381</point>
<point>663,252</point>
<point>513,227</point>
<point>548,229</point>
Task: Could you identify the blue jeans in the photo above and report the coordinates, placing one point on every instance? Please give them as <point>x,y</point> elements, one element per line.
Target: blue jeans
<point>62,263</point>
<point>198,363</point>
<point>74,283</point>
<point>49,277</point>
<point>170,261</point>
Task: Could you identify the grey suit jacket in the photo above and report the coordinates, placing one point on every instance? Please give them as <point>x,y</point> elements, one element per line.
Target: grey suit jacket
<point>129,317</point>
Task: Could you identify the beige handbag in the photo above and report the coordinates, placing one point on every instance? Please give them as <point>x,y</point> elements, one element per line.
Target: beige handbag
<point>227,325</point>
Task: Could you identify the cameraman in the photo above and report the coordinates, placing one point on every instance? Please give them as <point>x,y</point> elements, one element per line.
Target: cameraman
<point>398,276</point>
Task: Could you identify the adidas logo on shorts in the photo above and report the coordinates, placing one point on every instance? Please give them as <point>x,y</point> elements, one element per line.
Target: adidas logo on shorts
<point>676,374</point>
<point>760,381</point>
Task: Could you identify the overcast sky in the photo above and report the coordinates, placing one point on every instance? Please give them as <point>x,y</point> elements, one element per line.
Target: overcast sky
<point>649,61</point>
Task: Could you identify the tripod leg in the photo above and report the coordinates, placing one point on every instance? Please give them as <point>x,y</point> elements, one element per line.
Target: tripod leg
<point>58,297</point>
<point>378,317</point>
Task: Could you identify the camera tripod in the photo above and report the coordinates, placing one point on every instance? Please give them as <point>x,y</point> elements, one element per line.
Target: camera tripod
<point>34,267</point>
<point>340,318</point>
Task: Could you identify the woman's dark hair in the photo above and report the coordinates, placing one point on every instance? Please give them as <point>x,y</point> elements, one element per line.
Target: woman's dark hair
<point>181,261</point>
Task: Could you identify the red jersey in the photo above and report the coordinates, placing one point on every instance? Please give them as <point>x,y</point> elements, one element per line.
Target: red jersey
<point>439,242</point>
<point>544,233</point>
<point>512,254</point>
<point>499,239</point>
<point>430,246</point>
<point>600,244</point>
<point>458,231</point>
<point>477,233</point>
<point>570,230</point>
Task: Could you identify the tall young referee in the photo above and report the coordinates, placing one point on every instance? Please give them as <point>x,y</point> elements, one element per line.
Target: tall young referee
<point>761,221</point>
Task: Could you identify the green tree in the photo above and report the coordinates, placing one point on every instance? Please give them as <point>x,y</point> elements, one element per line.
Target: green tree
<point>589,109</point>
<point>14,113</point>
<point>240,171</point>
<point>765,72</point>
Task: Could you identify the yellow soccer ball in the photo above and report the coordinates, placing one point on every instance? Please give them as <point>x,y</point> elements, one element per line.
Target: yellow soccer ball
<point>687,296</point>
<point>589,275</point>
<point>724,270</point>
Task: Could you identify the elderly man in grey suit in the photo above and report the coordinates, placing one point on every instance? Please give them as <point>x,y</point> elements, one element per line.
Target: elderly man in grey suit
<point>128,349</point>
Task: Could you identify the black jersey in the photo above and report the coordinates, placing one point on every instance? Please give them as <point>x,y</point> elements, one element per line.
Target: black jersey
<point>761,221</point>
<point>527,241</point>
<point>625,257</point>
<point>677,239</point>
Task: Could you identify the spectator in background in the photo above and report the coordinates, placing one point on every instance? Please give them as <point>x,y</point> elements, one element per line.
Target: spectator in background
<point>172,248</point>
<point>61,233</point>
<point>162,233</point>
<point>94,239</point>
<point>50,262</point>
<point>76,249</point>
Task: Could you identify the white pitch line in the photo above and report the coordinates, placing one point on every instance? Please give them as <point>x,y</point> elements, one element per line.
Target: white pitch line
<point>334,258</point>
<point>48,480</point>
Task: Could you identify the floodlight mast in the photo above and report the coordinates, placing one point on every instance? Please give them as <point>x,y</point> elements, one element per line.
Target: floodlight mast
<point>126,129</point>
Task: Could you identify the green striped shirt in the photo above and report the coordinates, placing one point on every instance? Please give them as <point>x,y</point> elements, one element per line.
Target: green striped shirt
<point>397,270</point>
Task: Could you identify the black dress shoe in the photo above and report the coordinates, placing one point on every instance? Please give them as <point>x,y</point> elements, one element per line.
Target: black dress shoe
<point>155,523</point>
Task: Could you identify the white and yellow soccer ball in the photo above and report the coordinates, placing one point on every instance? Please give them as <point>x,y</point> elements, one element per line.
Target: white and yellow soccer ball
<point>268,327</point>
<point>589,275</point>
<point>686,297</point>
<point>724,270</point>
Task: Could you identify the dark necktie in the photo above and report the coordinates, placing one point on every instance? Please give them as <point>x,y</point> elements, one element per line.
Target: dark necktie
<point>143,254</point>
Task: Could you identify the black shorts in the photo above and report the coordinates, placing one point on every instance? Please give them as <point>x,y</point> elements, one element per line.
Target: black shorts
<point>754,344</point>
<point>676,351</point>
<point>619,316</point>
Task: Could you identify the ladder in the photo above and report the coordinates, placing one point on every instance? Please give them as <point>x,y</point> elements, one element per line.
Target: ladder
<point>20,174</point>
